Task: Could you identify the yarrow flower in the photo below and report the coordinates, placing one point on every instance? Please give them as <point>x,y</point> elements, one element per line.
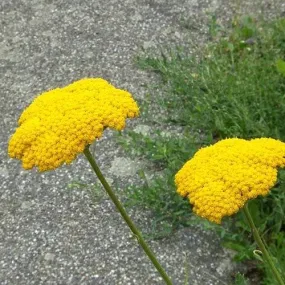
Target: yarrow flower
<point>60,123</point>
<point>221,178</point>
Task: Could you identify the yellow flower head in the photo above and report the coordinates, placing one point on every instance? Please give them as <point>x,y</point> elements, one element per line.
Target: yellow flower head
<point>219,179</point>
<point>61,122</point>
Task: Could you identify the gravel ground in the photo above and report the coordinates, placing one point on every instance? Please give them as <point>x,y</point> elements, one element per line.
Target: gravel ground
<point>49,233</point>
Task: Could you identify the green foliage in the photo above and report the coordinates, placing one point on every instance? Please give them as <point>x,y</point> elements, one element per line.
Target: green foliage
<point>169,209</point>
<point>158,194</point>
<point>234,87</point>
<point>280,64</point>
<point>240,280</point>
<point>164,150</point>
<point>276,247</point>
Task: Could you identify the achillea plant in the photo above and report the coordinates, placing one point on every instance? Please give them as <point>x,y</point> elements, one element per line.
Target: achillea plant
<point>62,123</point>
<point>221,178</point>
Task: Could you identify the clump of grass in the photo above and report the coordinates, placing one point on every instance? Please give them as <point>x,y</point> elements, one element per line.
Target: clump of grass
<point>234,87</point>
<point>231,89</point>
<point>240,280</point>
<point>157,194</point>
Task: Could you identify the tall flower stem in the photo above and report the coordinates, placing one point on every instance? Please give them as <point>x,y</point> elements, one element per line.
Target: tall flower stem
<point>125,216</point>
<point>261,245</point>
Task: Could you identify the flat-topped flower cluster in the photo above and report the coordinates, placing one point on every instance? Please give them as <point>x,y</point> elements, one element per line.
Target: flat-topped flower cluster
<point>60,123</point>
<point>219,179</point>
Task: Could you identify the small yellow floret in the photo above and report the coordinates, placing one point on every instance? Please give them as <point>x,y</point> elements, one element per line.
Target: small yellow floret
<point>219,179</point>
<point>60,123</point>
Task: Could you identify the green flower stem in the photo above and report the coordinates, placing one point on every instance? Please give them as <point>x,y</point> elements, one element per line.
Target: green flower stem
<point>128,220</point>
<point>261,245</point>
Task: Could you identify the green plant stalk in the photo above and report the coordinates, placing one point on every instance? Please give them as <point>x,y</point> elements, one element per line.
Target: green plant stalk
<point>125,216</point>
<point>261,245</point>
